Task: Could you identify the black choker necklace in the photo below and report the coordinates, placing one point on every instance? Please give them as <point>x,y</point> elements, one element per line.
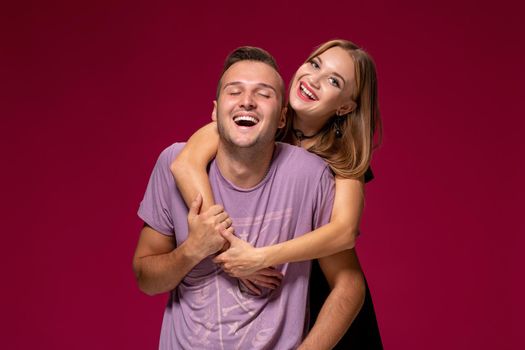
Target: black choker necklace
<point>299,135</point>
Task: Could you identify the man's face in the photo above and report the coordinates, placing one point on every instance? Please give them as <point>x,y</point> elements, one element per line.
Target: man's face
<point>249,107</point>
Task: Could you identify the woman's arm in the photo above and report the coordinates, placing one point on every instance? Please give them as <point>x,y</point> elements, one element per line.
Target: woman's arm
<point>339,234</point>
<point>189,168</point>
<point>189,171</point>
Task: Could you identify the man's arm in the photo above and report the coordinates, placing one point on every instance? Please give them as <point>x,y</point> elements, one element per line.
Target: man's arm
<point>346,298</point>
<point>160,266</point>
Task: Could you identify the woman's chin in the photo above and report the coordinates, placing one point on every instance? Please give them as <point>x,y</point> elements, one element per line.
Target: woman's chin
<point>298,105</point>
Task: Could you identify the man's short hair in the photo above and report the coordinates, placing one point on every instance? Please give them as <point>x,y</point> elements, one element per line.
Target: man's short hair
<point>249,53</point>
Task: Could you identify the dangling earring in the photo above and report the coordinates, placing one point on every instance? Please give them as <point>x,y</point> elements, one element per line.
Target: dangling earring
<point>338,132</point>
<point>337,122</point>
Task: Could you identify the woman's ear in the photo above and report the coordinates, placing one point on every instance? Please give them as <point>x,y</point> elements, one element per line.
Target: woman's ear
<point>214,112</point>
<point>346,108</point>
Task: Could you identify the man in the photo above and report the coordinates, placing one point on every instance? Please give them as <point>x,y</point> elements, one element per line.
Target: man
<point>273,192</point>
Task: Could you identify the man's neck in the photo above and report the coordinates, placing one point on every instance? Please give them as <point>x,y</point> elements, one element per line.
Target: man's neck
<point>244,167</point>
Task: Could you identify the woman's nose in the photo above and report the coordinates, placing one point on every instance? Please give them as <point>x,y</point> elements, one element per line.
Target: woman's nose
<point>313,80</point>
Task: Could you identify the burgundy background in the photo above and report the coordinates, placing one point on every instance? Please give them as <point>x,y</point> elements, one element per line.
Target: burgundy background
<point>91,92</point>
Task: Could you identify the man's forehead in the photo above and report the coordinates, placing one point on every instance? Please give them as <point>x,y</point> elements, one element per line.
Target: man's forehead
<point>251,72</point>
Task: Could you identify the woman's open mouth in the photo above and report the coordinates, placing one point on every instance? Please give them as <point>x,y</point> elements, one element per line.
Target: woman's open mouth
<point>306,93</point>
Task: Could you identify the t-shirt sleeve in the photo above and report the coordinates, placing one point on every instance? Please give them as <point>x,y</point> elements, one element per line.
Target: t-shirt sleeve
<point>324,198</point>
<point>369,175</point>
<point>154,209</point>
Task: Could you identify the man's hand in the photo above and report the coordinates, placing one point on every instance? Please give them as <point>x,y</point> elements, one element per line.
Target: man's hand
<point>204,236</point>
<point>268,278</point>
<point>241,259</point>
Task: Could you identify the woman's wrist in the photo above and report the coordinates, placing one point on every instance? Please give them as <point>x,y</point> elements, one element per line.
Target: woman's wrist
<point>265,256</point>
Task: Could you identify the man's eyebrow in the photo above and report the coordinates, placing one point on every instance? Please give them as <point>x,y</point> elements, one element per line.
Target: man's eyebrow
<point>263,85</point>
<point>268,86</point>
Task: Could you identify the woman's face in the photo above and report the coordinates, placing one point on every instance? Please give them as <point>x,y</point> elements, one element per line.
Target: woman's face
<point>323,86</point>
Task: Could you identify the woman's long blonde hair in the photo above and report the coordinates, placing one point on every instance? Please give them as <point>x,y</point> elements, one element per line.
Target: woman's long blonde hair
<point>348,155</point>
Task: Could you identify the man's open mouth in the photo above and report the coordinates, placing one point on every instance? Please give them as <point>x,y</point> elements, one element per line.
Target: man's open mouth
<point>245,120</point>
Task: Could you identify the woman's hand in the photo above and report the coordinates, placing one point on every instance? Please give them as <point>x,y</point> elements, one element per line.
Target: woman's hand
<point>267,278</point>
<point>241,259</point>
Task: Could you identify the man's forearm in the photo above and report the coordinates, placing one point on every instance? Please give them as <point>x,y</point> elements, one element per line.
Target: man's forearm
<point>344,302</point>
<point>162,273</point>
<point>335,317</point>
<point>160,264</point>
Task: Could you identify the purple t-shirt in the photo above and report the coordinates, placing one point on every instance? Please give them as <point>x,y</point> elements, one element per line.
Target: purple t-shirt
<point>211,310</point>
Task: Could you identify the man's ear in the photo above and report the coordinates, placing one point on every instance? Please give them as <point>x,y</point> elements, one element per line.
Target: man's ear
<point>214,112</point>
<point>282,118</point>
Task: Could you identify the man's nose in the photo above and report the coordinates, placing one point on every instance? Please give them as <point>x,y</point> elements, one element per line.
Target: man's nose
<point>248,101</point>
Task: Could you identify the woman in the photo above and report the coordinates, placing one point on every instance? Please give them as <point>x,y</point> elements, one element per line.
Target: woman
<point>332,112</point>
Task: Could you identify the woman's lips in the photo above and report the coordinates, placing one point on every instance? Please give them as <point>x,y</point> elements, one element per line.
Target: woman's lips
<point>305,93</point>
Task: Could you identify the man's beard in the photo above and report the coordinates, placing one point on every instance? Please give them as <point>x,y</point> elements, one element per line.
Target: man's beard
<point>259,142</point>
<point>225,138</point>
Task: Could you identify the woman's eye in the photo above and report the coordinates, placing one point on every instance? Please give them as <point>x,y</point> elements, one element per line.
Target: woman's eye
<point>334,82</point>
<point>314,64</point>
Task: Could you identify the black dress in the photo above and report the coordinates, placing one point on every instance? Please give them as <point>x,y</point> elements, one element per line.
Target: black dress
<point>364,331</point>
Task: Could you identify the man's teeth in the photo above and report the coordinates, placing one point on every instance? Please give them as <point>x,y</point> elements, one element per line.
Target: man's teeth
<point>245,118</point>
<point>307,92</point>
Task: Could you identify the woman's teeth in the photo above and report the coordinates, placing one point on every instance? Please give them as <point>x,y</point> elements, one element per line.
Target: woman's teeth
<point>306,92</point>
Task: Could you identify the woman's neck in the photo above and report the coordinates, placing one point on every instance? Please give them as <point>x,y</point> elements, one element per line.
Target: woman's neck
<point>306,128</point>
<point>304,134</point>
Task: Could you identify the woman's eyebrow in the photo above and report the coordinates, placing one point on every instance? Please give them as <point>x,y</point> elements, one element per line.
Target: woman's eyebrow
<point>334,73</point>
<point>340,77</point>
